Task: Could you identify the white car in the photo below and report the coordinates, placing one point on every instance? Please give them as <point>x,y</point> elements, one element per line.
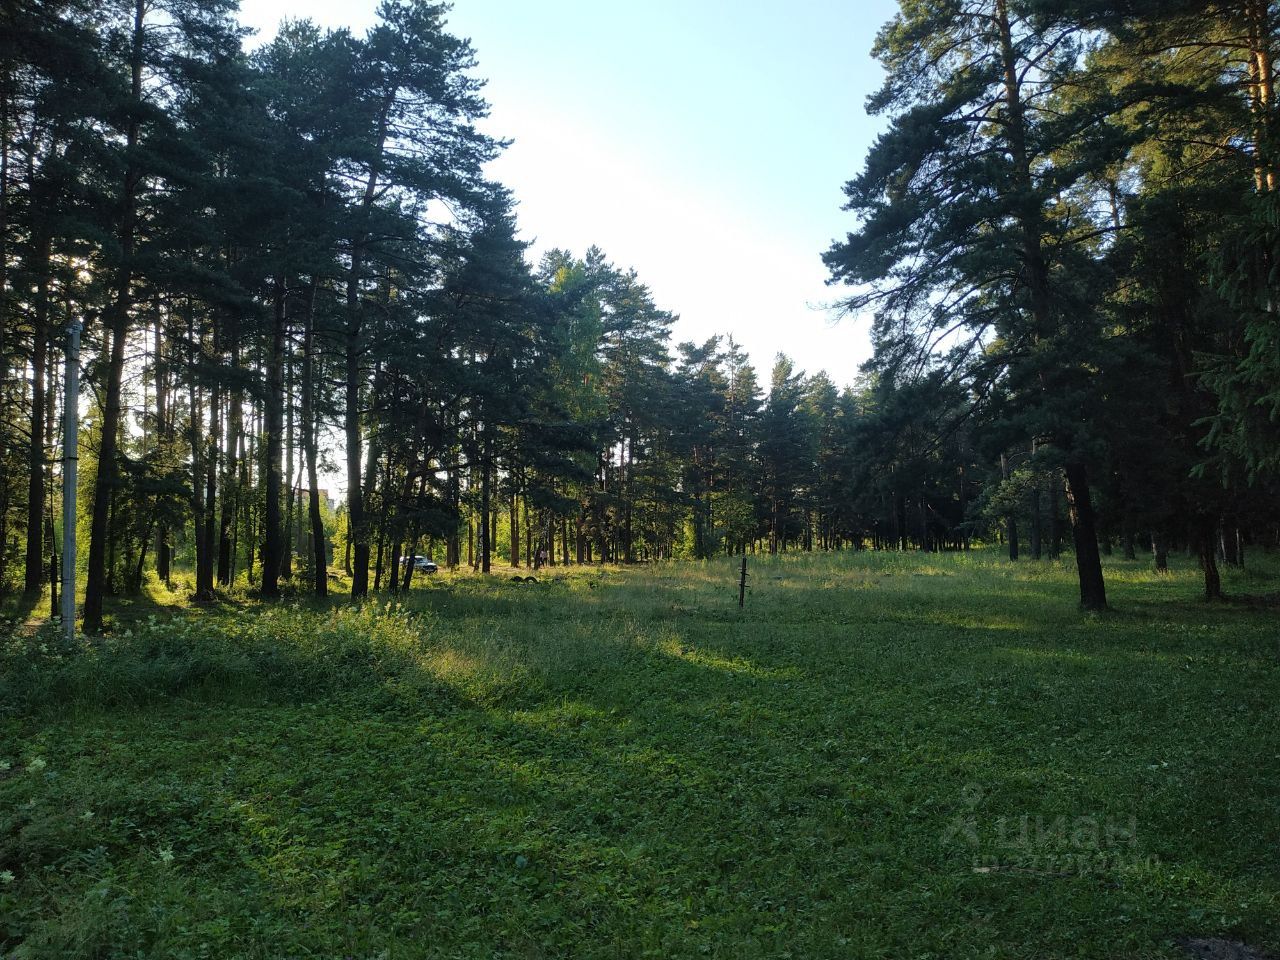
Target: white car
<point>420,564</point>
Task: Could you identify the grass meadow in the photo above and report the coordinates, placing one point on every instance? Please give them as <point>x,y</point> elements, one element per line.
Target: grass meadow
<point>883,755</point>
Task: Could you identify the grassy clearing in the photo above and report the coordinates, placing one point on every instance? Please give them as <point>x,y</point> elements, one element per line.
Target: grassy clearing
<point>885,756</point>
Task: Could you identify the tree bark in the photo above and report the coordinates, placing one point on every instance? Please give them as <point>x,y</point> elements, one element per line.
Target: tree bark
<point>1055,524</point>
<point>1229,538</point>
<point>1128,538</point>
<point>385,503</point>
<point>34,572</point>
<point>205,539</point>
<point>453,543</point>
<point>372,453</point>
<point>357,526</point>
<point>357,529</point>
<point>319,556</point>
<point>1037,522</point>
<point>1160,551</point>
<point>6,80</point>
<point>118,327</point>
<point>195,436</point>
<point>163,429</point>
<point>247,454</point>
<point>1093,593</point>
<point>515,531</point>
<point>1011,520</point>
<point>272,545</point>
<point>1206,548</point>
<point>287,540</point>
<point>1262,92</point>
<point>486,503</point>
<point>50,418</point>
<point>230,487</point>
<point>393,567</point>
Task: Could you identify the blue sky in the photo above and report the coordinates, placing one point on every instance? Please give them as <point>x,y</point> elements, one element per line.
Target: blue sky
<point>702,142</point>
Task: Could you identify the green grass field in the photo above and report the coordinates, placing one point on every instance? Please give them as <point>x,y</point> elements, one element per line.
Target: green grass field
<point>883,756</point>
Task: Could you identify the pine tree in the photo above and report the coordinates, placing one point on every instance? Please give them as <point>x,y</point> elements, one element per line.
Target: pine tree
<point>958,237</point>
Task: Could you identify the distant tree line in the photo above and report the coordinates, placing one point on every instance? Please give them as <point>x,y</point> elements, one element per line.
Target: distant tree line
<point>290,266</point>
<point>1069,233</point>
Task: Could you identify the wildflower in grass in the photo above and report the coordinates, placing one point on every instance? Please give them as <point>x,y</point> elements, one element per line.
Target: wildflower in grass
<point>165,855</point>
<point>6,876</point>
<point>5,765</point>
<point>37,764</point>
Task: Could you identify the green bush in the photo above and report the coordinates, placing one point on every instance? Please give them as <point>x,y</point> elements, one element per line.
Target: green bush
<point>284,653</point>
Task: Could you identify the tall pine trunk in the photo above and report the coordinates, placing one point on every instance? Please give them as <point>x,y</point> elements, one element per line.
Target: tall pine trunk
<point>1160,550</point>
<point>1037,521</point>
<point>515,531</point>
<point>1055,523</point>
<point>231,491</point>
<point>357,532</point>
<point>486,502</point>
<point>290,488</point>
<point>273,540</point>
<point>205,520</point>
<point>1260,31</point>
<point>369,484</point>
<point>34,572</point>
<point>319,566</point>
<point>1205,544</point>
<point>357,525</point>
<point>1093,592</point>
<point>1011,519</point>
<point>51,418</point>
<point>195,435</point>
<point>118,328</point>
<point>164,432</point>
<point>453,544</point>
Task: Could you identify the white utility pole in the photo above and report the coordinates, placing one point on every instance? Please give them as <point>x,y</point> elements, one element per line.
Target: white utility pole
<point>70,450</point>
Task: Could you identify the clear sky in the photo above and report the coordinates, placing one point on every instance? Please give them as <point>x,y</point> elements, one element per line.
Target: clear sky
<point>703,142</point>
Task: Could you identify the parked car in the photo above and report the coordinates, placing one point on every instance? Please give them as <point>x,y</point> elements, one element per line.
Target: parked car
<point>420,564</point>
